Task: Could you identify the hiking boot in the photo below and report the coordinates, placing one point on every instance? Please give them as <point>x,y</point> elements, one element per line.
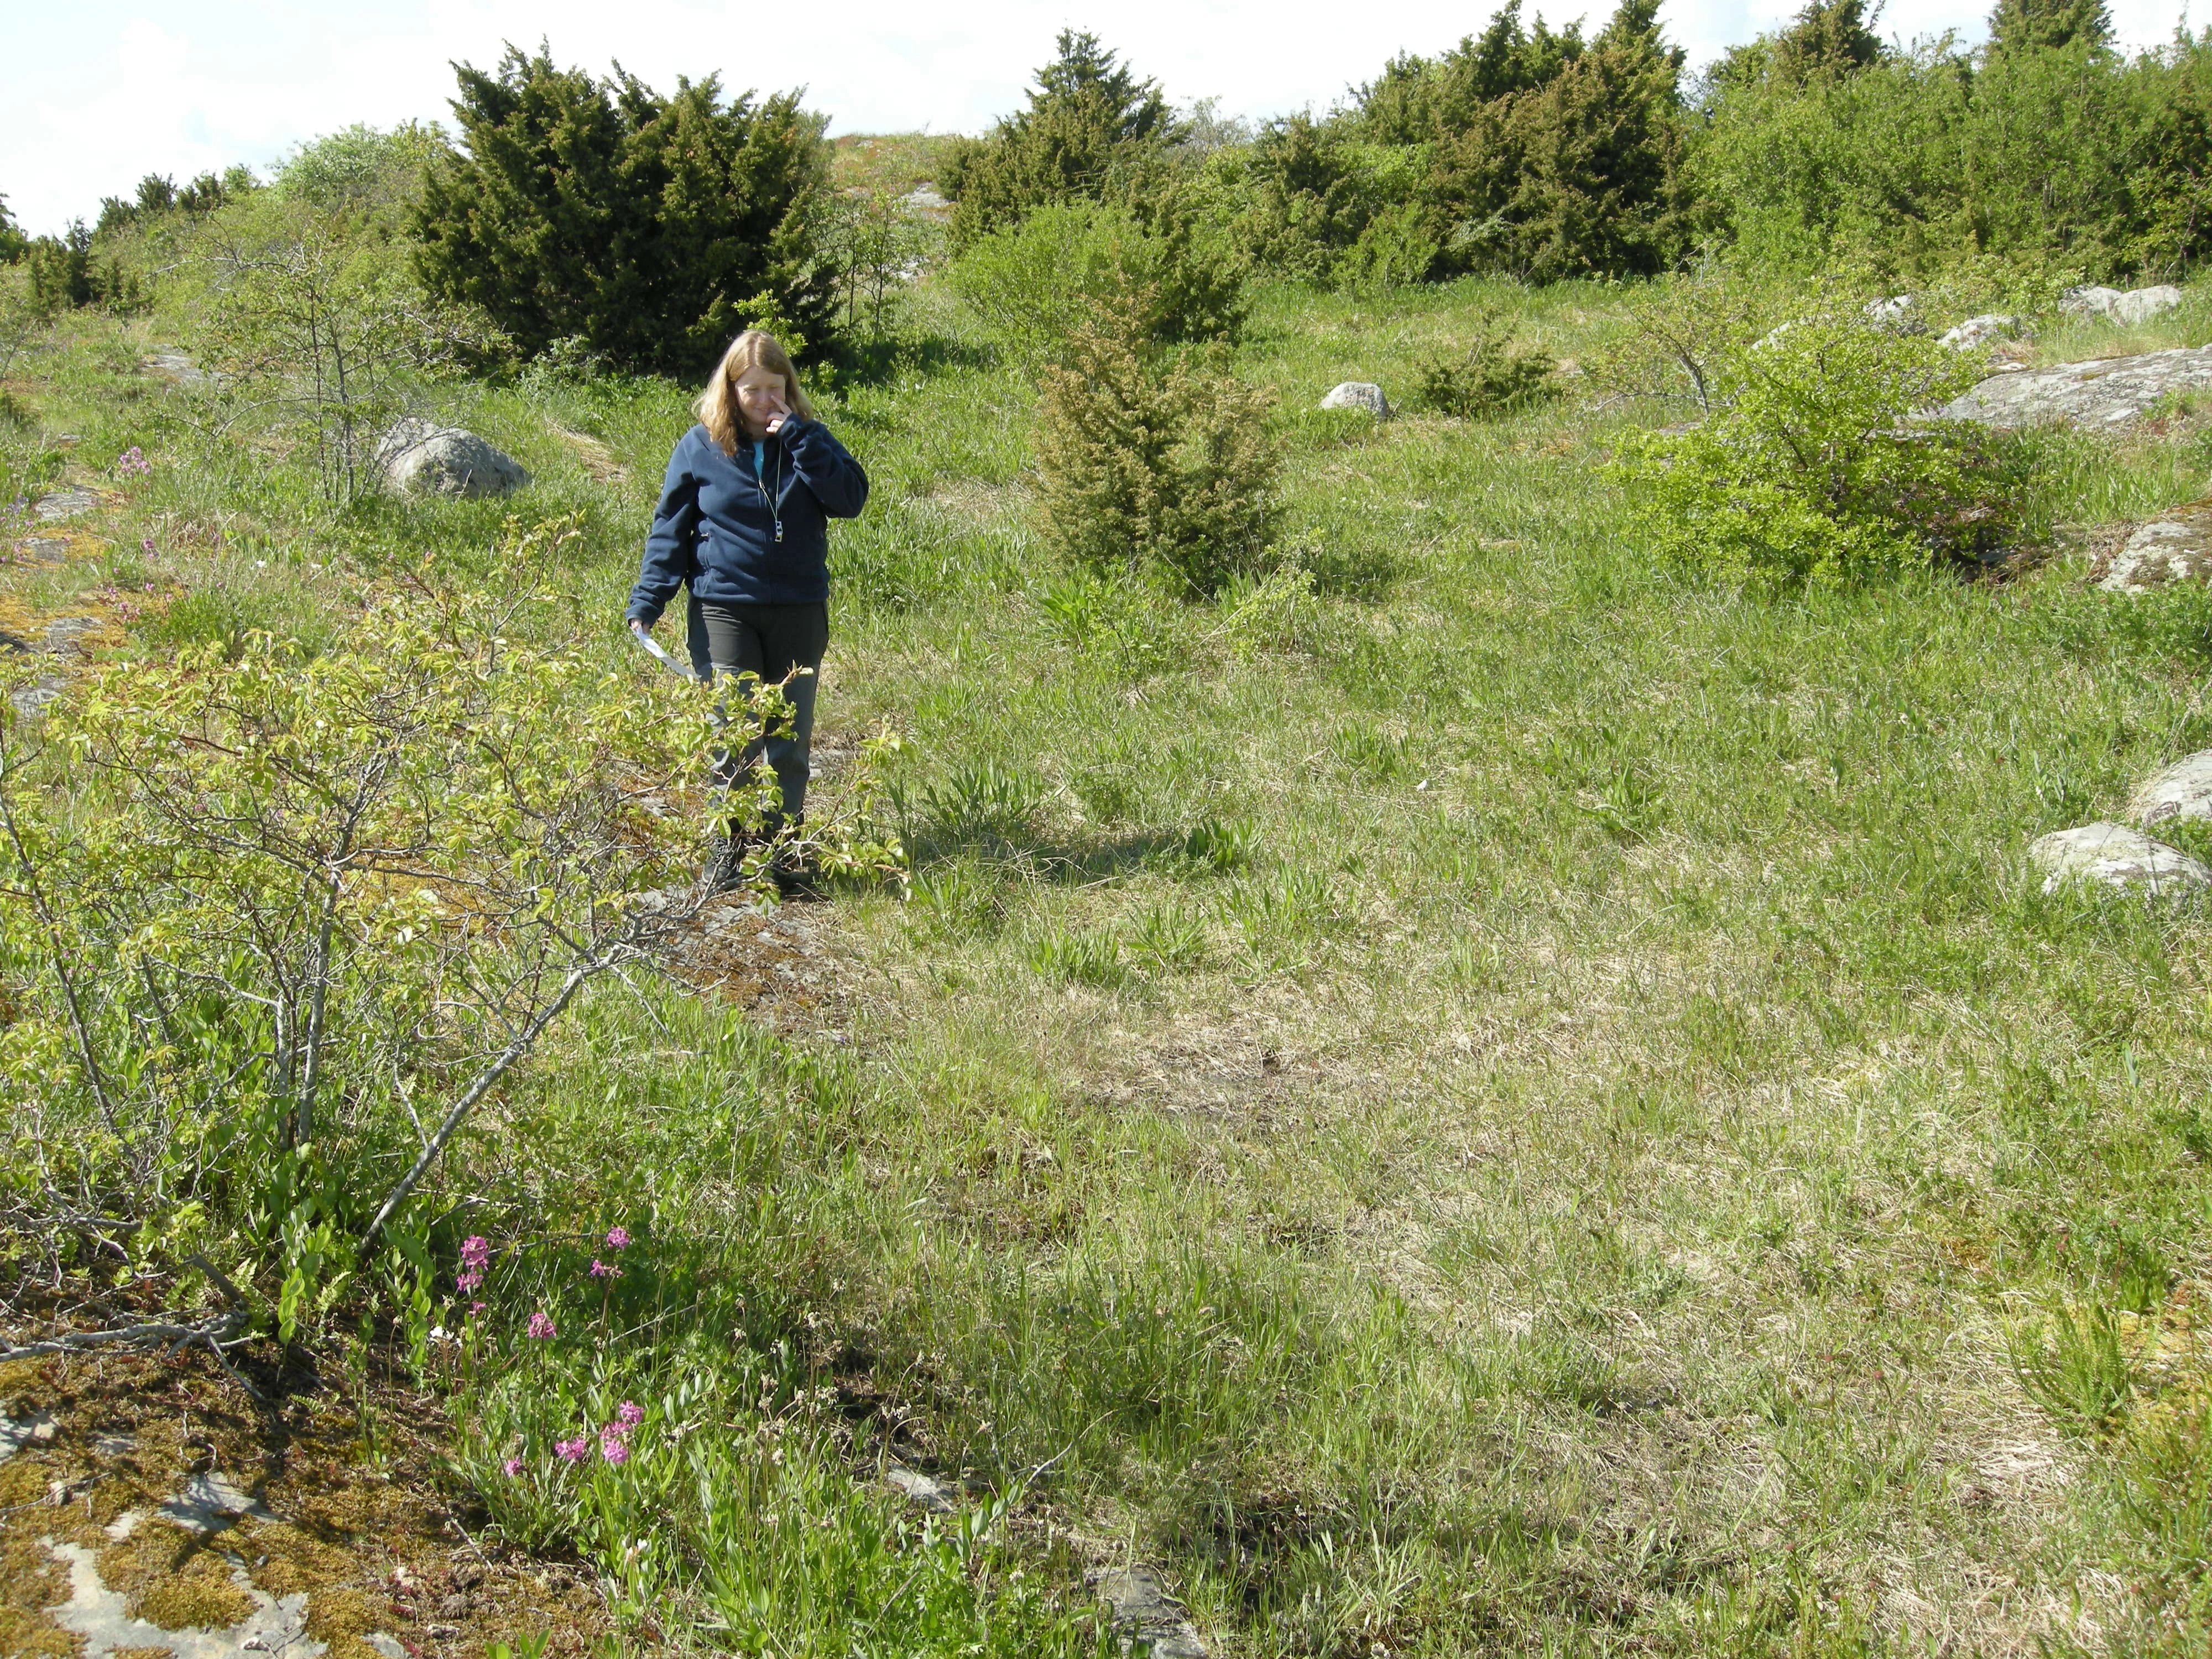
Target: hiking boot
<point>795,877</point>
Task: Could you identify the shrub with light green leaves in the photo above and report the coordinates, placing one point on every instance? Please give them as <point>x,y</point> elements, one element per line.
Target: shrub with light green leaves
<point>1033,284</point>
<point>275,923</point>
<point>1820,462</point>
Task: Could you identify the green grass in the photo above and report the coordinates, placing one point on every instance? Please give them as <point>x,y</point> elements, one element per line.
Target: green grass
<point>1538,1110</point>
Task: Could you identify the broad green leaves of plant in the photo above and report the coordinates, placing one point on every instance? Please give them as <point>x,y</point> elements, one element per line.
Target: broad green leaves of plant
<point>1821,460</point>
<point>273,927</point>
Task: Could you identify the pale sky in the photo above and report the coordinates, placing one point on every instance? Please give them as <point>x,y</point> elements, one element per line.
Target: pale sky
<point>91,98</point>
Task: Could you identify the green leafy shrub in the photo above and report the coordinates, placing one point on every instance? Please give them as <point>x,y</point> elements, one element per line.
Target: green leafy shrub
<point>652,228</point>
<point>360,165</point>
<point>1495,373</point>
<point>1817,463</point>
<point>350,892</point>
<point>1527,151</point>
<point>1033,284</point>
<point>325,337</point>
<point>1154,463</point>
<point>2074,152</point>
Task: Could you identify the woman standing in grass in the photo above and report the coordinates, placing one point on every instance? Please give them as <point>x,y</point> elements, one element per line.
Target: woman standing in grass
<point>743,518</point>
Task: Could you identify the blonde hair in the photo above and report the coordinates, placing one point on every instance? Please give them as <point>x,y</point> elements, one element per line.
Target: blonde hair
<point>718,404</point>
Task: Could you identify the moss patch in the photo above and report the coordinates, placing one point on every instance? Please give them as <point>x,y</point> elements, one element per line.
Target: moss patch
<point>377,1541</point>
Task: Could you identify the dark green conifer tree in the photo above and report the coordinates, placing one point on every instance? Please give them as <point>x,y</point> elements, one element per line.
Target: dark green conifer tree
<point>1089,119</point>
<point>1600,187</point>
<point>2037,25</point>
<point>1828,37</point>
<point>650,228</point>
<point>14,244</point>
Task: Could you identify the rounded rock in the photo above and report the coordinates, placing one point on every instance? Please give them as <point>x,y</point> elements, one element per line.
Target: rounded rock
<point>1359,394</point>
<point>2115,856</point>
<point>423,459</point>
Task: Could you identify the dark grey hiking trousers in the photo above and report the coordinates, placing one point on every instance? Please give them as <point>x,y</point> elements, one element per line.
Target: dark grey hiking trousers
<point>767,641</point>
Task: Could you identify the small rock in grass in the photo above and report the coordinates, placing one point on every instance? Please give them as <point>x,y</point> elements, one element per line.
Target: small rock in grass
<point>2177,548</point>
<point>32,701</point>
<point>2136,305</point>
<point>175,367</point>
<point>2183,790</point>
<point>17,1433</point>
<point>1900,314</point>
<point>2101,394</point>
<point>919,1489</point>
<point>2141,305</point>
<point>1142,1608</point>
<point>423,459</point>
<point>1359,394</point>
<point>211,1502</point>
<point>66,635</point>
<point>1980,330</point>
<point>2115,856</point>
<point>64,504</point>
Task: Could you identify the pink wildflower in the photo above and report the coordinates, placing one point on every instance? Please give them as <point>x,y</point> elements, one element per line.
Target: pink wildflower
<point>477,1306</point>
<point>573,1451</point>
<point>541,1327</point>
<point>467,1282</point>
<point>614,1448</point>
<point>476,1253</point>
<point>629,1413</point>
<point>147,544</point>
<point>618,1239</point>
<point>514,1468</point>
<point>600,1270</point>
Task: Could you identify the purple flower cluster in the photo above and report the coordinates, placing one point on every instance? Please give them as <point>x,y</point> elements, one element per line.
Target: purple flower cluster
<point>614,1438</point>
<point>542,1326</point>
<point>133,463</point>
<point>614,1441</point>
<point>475,1257</point>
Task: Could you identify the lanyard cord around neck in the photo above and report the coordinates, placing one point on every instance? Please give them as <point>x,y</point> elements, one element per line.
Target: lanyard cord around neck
<point>773,500</point>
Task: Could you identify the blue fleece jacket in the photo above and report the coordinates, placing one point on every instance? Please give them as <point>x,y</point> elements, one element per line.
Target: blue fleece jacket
<point>715,528</point>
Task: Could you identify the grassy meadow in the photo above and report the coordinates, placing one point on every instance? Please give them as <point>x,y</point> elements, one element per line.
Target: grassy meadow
<point>1521,1100</point>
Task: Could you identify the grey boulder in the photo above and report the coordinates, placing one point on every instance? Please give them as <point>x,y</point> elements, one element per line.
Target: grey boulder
<point>64,505</point>
<point>1900,314</point>
<point>1980,330</point>
<point>2183,790</point>
<point>2136,305</point>
<point>423,459</point>
<point>2177,548</point>
<point>2113,855</point>
<point>1359,394</point>
<point>1145,1614</point>
<point>2103,392</point>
